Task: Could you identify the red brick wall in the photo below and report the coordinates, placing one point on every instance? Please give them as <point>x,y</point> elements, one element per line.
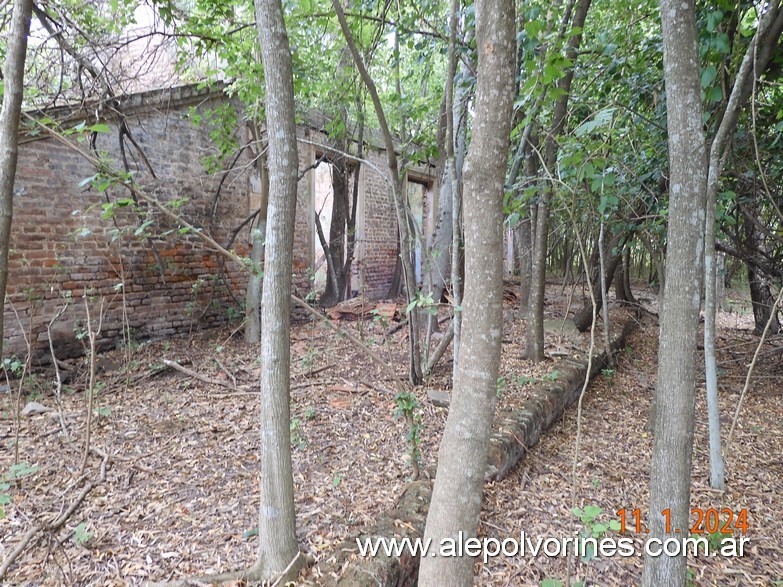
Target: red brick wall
<point>62,247</point>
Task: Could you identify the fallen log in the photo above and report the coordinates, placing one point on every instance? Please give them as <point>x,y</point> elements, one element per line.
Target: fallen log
<point>517,432</point>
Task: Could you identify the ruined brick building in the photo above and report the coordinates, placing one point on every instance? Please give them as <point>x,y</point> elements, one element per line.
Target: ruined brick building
<point>64,246</point>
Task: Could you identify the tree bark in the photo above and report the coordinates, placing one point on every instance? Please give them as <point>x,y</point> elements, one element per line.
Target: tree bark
<point>675,393</point>
<point>255,280</point>
<point>278,546</point>
<point>524,243</point>
<point>456,500</point>
<point>13,71</point>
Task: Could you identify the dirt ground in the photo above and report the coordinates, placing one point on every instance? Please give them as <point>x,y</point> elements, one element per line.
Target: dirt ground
<point>180,490</point>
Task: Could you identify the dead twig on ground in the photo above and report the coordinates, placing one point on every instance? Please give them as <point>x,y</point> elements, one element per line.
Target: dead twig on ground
<point>226,371</point>
<point>58,396</point>
<point>34,533</point>
<point>203,378</point>
<point>92,335</point>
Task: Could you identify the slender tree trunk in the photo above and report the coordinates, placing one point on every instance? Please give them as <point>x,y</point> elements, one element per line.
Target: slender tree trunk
<point>407,240</point>
<point>522,237</point>
<point>13,72</point>
<point>277,520</point>
<point>456,500</point>
<point>535,327</point>
<point>670,475</point>
<point>535,324</point>
<point>437,266</point>
<point>255,281</point>
<point>754,59</point>
<point>627,291</point>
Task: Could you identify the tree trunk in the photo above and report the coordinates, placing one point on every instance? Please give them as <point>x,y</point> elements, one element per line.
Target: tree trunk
<point>619,281</point>
<point>277,520</point>
<point>753,63</point>
<point>584,317</point>
<point>335,250</point>
<point>535,327</point>
<point>438,252</point>
<point>535,323</point>
<point>459,483</point>
<point>627,291</point>
<point>524,243</point>
<point>255,281</point>
<point>13,72</point>
<point>763,302</point>
<point>675,393</point>
<point>407,239</point>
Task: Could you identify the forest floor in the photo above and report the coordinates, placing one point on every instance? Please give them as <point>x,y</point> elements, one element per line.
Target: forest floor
<point>180,490</point>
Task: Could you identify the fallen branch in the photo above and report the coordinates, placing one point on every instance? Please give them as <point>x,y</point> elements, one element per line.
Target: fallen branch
<point>226,371</point>
<point>204,379</point>
<point>314,371</point>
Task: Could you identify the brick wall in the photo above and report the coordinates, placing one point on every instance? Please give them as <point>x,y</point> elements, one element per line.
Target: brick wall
<point>63,248</point>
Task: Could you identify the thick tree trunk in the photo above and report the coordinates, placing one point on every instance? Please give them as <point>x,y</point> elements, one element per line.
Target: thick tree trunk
<point>675,393</point>
<point>335,250</point>
<point>277,520</point>
<point>459,483</point>
<point>13,72</point>
<point>619,281</point>
<point>584,317</point>
<point>627,291</point>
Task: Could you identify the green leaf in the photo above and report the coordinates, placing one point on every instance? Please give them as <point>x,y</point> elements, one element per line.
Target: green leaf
<point>721,43</point>
<point>708,76</point>
<point>713,20</point>
<point>104,128</point>
<point>601,119</point>
<point>551,73</point>
<point>534,27</point>
<point>592,510</point>
<point>714,94</point>
<point>143,228</point>
<point>81,535</point>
